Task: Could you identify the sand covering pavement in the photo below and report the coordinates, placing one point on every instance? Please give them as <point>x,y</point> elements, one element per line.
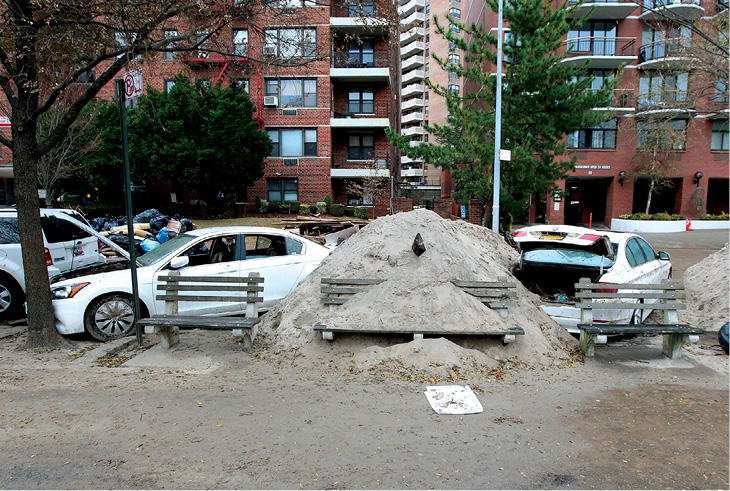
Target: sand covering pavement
<point>417,294</point>
<point>707,286</point>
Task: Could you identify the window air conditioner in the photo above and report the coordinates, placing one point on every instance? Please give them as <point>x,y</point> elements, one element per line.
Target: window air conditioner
<point>271,100</point>
<point>291,161</point>
<point>288,112</point>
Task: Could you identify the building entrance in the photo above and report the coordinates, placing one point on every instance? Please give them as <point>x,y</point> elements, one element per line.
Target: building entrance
<point>583,196</point>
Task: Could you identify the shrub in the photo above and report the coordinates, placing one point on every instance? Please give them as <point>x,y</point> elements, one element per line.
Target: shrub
<point>294,206</point>
<point>721,216</point>
<point>661,216</point>
<point>676,217</point>
<point>262,206</point>
<point>304,209</point>
<point>337,209</point>
<point>361,212</point>
<point>328,200</point>
<point>321,207</point>
<point>349,212</point>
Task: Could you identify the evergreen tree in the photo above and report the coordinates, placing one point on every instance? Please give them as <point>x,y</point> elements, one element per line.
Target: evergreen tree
<point>542,100</point>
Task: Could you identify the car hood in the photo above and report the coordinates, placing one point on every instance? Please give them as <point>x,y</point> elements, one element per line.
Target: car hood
<point>117,278</point>
<point>105,240</point>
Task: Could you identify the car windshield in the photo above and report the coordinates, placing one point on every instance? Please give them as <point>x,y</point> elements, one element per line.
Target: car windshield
<point>159,253</point>
<point>567,257</point>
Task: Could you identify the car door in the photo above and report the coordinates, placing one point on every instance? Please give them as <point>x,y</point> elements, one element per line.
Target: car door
<point>70,247</point>
<point>279,259</point>
<point>643,268</point>
<point>210,256</point>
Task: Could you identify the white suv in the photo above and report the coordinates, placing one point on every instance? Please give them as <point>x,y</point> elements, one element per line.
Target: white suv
<point>68,248</point>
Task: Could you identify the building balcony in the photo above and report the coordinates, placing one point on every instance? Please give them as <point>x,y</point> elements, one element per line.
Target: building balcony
<point>413,62</point>
<point>623,101</point>
<point>415,143</point>
<point>410,7</point>
<point>412,104</point>
<point>604,9</point>
<point>720,8</point>
<point>600,52</point>
<point>412,90</point>
<point>414,76</point>
<point>412,34</point>
<point>665,104</point>
<point>411,49</point>
<point>413,172</point>
<point>353,19</point>
<point>416,117</point>
<point>408,161</point>
<point>416,18</point>
<point>662,9</point>
<point>360,68</point>
<point>359,164</point>
<point>663,54</point>
<point>360,114</point>
<point>412,131</point>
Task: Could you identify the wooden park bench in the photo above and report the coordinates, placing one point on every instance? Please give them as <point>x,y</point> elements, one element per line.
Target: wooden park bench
<point>633,297</point>
<point>336,291</point>
<point>177,288</point>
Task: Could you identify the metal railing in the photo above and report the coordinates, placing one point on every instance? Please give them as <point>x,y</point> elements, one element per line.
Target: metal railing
<point>360,159</point>
<point>601,46</point>
<point>361,109</point>
<point>658,4</point>
<point>664,99</point>
<point>664,48</point>
<point>359,60</point>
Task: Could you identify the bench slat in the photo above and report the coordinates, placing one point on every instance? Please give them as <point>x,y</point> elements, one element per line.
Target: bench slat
<point>200,321</point>
<point>640,329</point>
<point>334,300</point>
<point>484,284</point>
<point>630,286</point>
<point>208,298</point>
<point>484,294</point>
<point>677,294</point>
<point>210,288</point>
<point>350,281</point>
<point>211,279</point>
<point>340,289</point>
<point>511,330</point>
<point>630,306</point>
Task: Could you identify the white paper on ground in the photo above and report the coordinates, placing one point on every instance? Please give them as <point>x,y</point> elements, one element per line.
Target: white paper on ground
<point>453,399</point>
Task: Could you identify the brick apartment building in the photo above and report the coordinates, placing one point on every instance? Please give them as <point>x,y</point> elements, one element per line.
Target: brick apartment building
<point>658,86</point>
<point>320,76</point>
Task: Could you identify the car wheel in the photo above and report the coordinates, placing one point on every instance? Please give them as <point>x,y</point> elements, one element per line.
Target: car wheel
<point>110,317</point>
<point>11,298</point>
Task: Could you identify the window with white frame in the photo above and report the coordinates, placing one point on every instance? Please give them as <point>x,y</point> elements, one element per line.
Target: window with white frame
<point>361,53</point>
<point>240,42</point>
<point>455,13</point>
<point>170,55</point>
<point>293,142</point>
<point>600,136</point>
<point>169,84</point>
<point>290,42</point>
<point>293,92</point>
<point>282,189</point>
<point>719,135</point>
<point>453,89</point>
<point>454,28</point>
<point>454,59</point>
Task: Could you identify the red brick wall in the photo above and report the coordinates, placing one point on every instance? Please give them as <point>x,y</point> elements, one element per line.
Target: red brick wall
<point>475,212</point>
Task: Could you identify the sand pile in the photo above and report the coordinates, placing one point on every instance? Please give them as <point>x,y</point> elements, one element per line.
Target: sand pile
<point>707,286</point>
<point>416,294</point>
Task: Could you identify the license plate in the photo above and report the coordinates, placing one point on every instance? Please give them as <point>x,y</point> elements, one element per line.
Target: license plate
<point>78,251</point>
<point>552,237</point>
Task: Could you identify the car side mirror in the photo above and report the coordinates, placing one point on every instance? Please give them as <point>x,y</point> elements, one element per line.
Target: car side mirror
<point>663,256</point>
<point>179,262</point>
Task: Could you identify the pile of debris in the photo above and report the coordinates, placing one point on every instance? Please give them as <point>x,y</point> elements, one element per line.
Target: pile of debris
<point>416,292</point>
<point>708,292</point>
<point>326,231</point>
<point>151,228</point>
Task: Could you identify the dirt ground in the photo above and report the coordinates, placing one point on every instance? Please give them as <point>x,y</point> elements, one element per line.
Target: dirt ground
<point>209,415</point>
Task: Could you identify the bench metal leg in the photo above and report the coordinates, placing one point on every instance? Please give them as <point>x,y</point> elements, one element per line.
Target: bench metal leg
<point>169,335</point>
<point>508,338</point>
<point>672,345</point>
<point>328,335</point>
<point>587,343</point>
<point>417,336</point>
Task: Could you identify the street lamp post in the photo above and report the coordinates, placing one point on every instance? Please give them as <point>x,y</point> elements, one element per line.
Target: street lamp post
<point>498,123</point>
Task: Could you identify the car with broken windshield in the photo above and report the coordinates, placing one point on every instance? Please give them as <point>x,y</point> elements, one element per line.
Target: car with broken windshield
<point>553,258</point>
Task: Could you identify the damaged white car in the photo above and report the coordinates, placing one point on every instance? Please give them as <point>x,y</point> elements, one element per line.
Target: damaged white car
<point>554,257</point>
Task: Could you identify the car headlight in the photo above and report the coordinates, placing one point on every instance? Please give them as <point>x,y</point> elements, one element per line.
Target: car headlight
<point>68,291</point>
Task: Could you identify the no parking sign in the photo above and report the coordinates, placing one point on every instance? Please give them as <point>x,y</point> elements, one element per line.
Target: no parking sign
<point>132,85</point>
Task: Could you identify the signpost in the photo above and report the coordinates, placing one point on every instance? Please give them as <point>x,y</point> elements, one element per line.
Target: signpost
<point>123,87</point>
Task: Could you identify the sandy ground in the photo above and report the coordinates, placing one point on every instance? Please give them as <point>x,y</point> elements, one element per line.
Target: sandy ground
<point>209,415</point>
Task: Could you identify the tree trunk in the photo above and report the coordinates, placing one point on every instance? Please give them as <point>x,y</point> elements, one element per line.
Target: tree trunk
<point>42,330</point>
<point>648,198</point>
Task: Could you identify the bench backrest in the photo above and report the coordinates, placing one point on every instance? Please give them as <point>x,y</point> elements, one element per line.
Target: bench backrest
<point>629,296</point>
<point>335,291</point>
<point>494,294</point>
<point>178,288</point>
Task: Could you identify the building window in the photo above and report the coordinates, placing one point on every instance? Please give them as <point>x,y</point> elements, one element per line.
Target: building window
<point>660,43</point>
<point>169,84</point>
<point>242,82</point>
<point>454,28</point>
<point>278,190</point>
<point>290,43</point>
<point>455,13</point>
<point>598,38</point>
<point>170,55</point>
<point>295,142</point>
<point>453,75</point>
<point>293,92</point>
<point>361,147</point>
<point>656,89</point>
<point>428,9</point>
<point>86,77</point>
<point>453,89</point>
<point>599,136</point>
<point>240,42</point>
<point>360,8</point>
<point>361,101</point>
<point>425,110</point>
<point>361,53</point>
<point>662,136</point>
<point>719,135</point>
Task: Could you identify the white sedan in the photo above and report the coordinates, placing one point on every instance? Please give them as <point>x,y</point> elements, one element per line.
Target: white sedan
<point>554,257</point>
<point>102,303</point>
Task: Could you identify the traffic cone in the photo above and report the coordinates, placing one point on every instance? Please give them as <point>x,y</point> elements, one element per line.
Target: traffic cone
<point>689,225</point>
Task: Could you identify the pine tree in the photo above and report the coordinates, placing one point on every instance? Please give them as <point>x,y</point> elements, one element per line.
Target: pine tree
<point>542,100</point>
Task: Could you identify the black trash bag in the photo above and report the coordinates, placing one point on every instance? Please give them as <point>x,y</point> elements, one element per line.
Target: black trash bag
<point>158,223</point>
<point>171,234</point>
<point>186,225</point>
<point>111,222</point>
<point>146,216</point>
<point>98,223</point>
<point>723,335</point>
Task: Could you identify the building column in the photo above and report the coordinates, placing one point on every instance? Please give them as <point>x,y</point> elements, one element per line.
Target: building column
<point>619,199</point>
<point>555,213</point>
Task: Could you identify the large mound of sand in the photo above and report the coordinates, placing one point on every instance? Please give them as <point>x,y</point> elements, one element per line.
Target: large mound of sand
<point>417,294</point>
<point>707,286</point>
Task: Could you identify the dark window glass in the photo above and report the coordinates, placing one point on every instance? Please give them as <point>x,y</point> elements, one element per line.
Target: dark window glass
<point>9,233</point>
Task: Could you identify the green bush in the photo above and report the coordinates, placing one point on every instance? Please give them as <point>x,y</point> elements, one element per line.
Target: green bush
<point>337,209</point>
<point>304,209</point>
<point>655,216</point>
<point>361,212</point>
<point>328,200</point>
<point>661,216</point>
<point>93,210</point>
<point>262,206</point>
<point>349,212</point>
<point>321,207</point>
<point>294,206</point>
<point>676,217</point>
<point>721,216</point>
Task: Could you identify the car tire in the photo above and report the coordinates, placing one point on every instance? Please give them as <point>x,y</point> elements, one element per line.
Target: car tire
<point>12,298</point>
<point>110,317</point>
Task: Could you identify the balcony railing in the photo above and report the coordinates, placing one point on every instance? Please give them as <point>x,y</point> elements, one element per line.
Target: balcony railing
<point>359,60</point>
<point>360,109</point>
<point>357,10</point>
<point>601,46</point>
<point>665,48</point>
<point>658,4</point>
<point>360,159</point>
<point>664,99</point>
<point>623,98</point>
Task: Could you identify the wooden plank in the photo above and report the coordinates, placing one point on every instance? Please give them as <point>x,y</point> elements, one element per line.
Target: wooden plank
<point>629,306</point>
<point>209,288</point>
<point>630,286</point>
<point>486,294</point>
<point>484,284</point>
<point>497,305</point>
<point>200,321</point>
<point>511,330</point>
<point>351,281</point>
<point>208,298</point>
<point>340,289</point>
<point>212,279</point>
<point>334,300</point>
<point>674,294</point>
<point>640,329</point>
